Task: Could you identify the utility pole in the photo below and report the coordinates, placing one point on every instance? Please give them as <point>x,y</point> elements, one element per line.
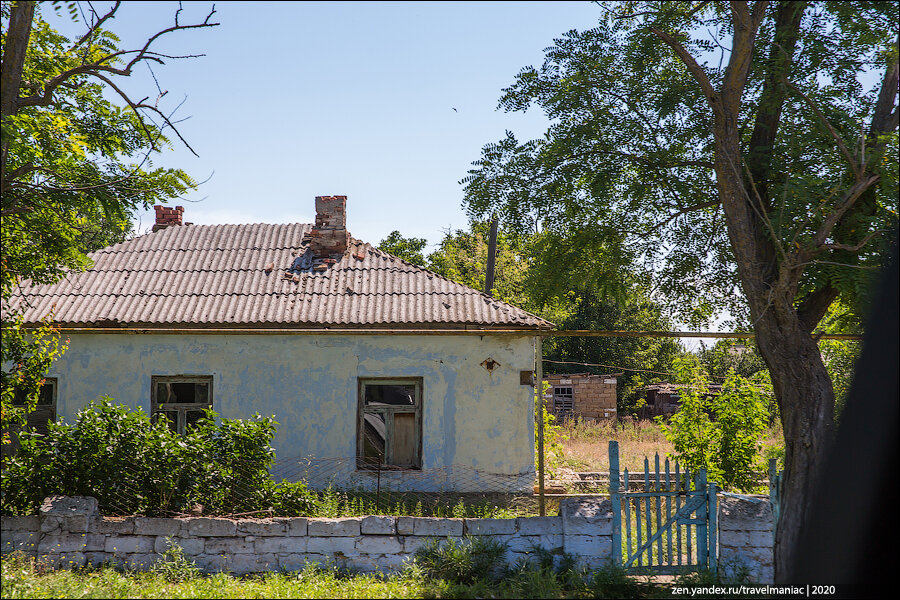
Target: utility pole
<point>492,256</point>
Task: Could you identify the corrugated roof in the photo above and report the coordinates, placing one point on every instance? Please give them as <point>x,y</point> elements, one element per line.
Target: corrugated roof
<point>215,275</point>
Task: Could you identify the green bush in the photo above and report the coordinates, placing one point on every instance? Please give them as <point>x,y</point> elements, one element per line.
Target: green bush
<point>134,466</point>
<point>719,432</point>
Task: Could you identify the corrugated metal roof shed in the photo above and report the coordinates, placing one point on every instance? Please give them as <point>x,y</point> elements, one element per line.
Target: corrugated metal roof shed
<point>215,276</point>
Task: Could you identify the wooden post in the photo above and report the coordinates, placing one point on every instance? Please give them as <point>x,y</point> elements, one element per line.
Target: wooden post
<point>539,387</point>
<point>713,529</point>
<point>616,502</point>
<point>491,257</point>
<point>702,531</point>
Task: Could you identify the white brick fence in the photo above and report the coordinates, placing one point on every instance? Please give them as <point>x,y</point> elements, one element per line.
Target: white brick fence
<point>69,532</point>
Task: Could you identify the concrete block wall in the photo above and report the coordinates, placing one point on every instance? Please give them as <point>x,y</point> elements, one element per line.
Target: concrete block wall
<point>69,532</point>
<point>746,528</point>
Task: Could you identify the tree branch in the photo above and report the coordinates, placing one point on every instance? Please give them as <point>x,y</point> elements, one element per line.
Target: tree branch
<point>133,106</point>
<point>93,29</point>
<point>685,211</point>
<point>745,25</point>
<point>854,166</point>
<point>850,197</point>
<point>98,66</point>
<point>691,63</point>
<point>170,124</point>
<point>814,306</point>
<point>884,120</point>
<point>853,248</point>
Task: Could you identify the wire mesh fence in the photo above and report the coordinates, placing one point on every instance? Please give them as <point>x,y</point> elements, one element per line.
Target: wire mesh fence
<point>304,486</point>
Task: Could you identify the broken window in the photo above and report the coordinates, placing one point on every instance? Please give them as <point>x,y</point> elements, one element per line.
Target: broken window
<point>563,402</point>
<point>390,423</point>
<point>37,420</point>
<point>180,399</point>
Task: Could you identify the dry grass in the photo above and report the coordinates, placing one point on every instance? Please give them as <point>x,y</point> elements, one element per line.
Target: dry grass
<point>587,445</point>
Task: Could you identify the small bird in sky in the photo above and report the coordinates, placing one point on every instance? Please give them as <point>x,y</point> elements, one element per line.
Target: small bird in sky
<point>454,110</point>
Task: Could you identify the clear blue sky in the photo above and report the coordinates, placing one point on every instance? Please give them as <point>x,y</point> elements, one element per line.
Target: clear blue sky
<point>298,99</point>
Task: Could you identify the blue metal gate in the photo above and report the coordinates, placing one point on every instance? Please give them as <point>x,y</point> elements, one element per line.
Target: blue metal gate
<point>669,519</point>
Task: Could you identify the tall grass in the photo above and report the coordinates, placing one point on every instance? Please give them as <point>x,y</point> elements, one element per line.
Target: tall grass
<point>586,445</point>
<point>544,576</point>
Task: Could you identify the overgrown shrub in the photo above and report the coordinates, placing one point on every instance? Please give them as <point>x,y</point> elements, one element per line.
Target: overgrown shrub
<point>719,432</point>
<point>134,466</point>
<point>554,452</point>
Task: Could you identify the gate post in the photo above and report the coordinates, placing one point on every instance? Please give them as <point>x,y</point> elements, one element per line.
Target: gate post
<point>702,529</point>
<point>616,502</point>
<point>712,515</point>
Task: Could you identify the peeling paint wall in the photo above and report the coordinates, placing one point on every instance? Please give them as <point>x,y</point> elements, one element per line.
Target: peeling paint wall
<point>472,418</point>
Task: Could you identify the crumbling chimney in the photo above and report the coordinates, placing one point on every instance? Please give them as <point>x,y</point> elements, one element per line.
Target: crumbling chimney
<point>166,216</point>
<point>328,237</point>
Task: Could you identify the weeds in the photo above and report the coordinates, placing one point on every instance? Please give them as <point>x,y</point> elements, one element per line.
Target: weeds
<point>462,562</point>
<point>174,566</point>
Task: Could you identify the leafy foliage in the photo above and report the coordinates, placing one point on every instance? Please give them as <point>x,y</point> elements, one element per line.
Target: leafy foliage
<point>134,466</point>
<point>75,165</point>
<point>719,432</point>
<point>26,356</point>
<point>409,249</point>
<point>173,565</point>
<point>640,360</point>
<point>463,562</point>
<point>554,453</point>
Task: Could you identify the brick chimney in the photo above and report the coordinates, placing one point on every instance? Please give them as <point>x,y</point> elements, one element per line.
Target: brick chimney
<point>166,216</point>
<point>328,237</point>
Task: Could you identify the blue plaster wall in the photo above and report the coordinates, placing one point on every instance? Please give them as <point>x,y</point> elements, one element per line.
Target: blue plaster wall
<point>472,419</point>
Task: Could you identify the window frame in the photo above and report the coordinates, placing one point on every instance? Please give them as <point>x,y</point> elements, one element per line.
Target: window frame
<point>181,408</point>
<point>41,409</point>
<point>34,420</point>
<point>389,411</point>
<point>563,403</point>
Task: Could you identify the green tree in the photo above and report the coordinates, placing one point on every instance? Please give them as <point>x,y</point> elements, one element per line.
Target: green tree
<point>719,432</point>
<point>462,257</point>
<point>409,249</point>
<point>730,154</point>
<point>641,360</point>
<point>74,165</point>
<point>730,355</point>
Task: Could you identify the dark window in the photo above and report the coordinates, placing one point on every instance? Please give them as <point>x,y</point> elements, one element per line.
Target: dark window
<point>563,402</point>
<point>390,423</point>
<point>180,399</point>
<point>43,413</point>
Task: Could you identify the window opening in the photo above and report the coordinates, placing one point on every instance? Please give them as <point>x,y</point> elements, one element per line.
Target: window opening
<point>563,402</point>
<point>389,423</point>
<point>180,399</point>
<point>39,418</point>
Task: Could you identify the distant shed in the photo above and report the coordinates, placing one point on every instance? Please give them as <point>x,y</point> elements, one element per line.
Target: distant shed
<point>591,397</point>
<point>664,399</point>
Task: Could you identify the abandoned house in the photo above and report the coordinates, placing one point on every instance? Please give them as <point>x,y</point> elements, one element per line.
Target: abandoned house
<point>359,355</point>
<point>584,395</point>
<point>664,398</point>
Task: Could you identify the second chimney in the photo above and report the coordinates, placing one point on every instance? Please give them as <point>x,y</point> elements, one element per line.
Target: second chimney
<point>166,216</point>
<point>329,235</point>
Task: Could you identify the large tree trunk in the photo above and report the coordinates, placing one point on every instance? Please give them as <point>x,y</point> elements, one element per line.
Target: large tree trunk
<point>799,378</point>
<point>17,34</point>
<point>806,400</point>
